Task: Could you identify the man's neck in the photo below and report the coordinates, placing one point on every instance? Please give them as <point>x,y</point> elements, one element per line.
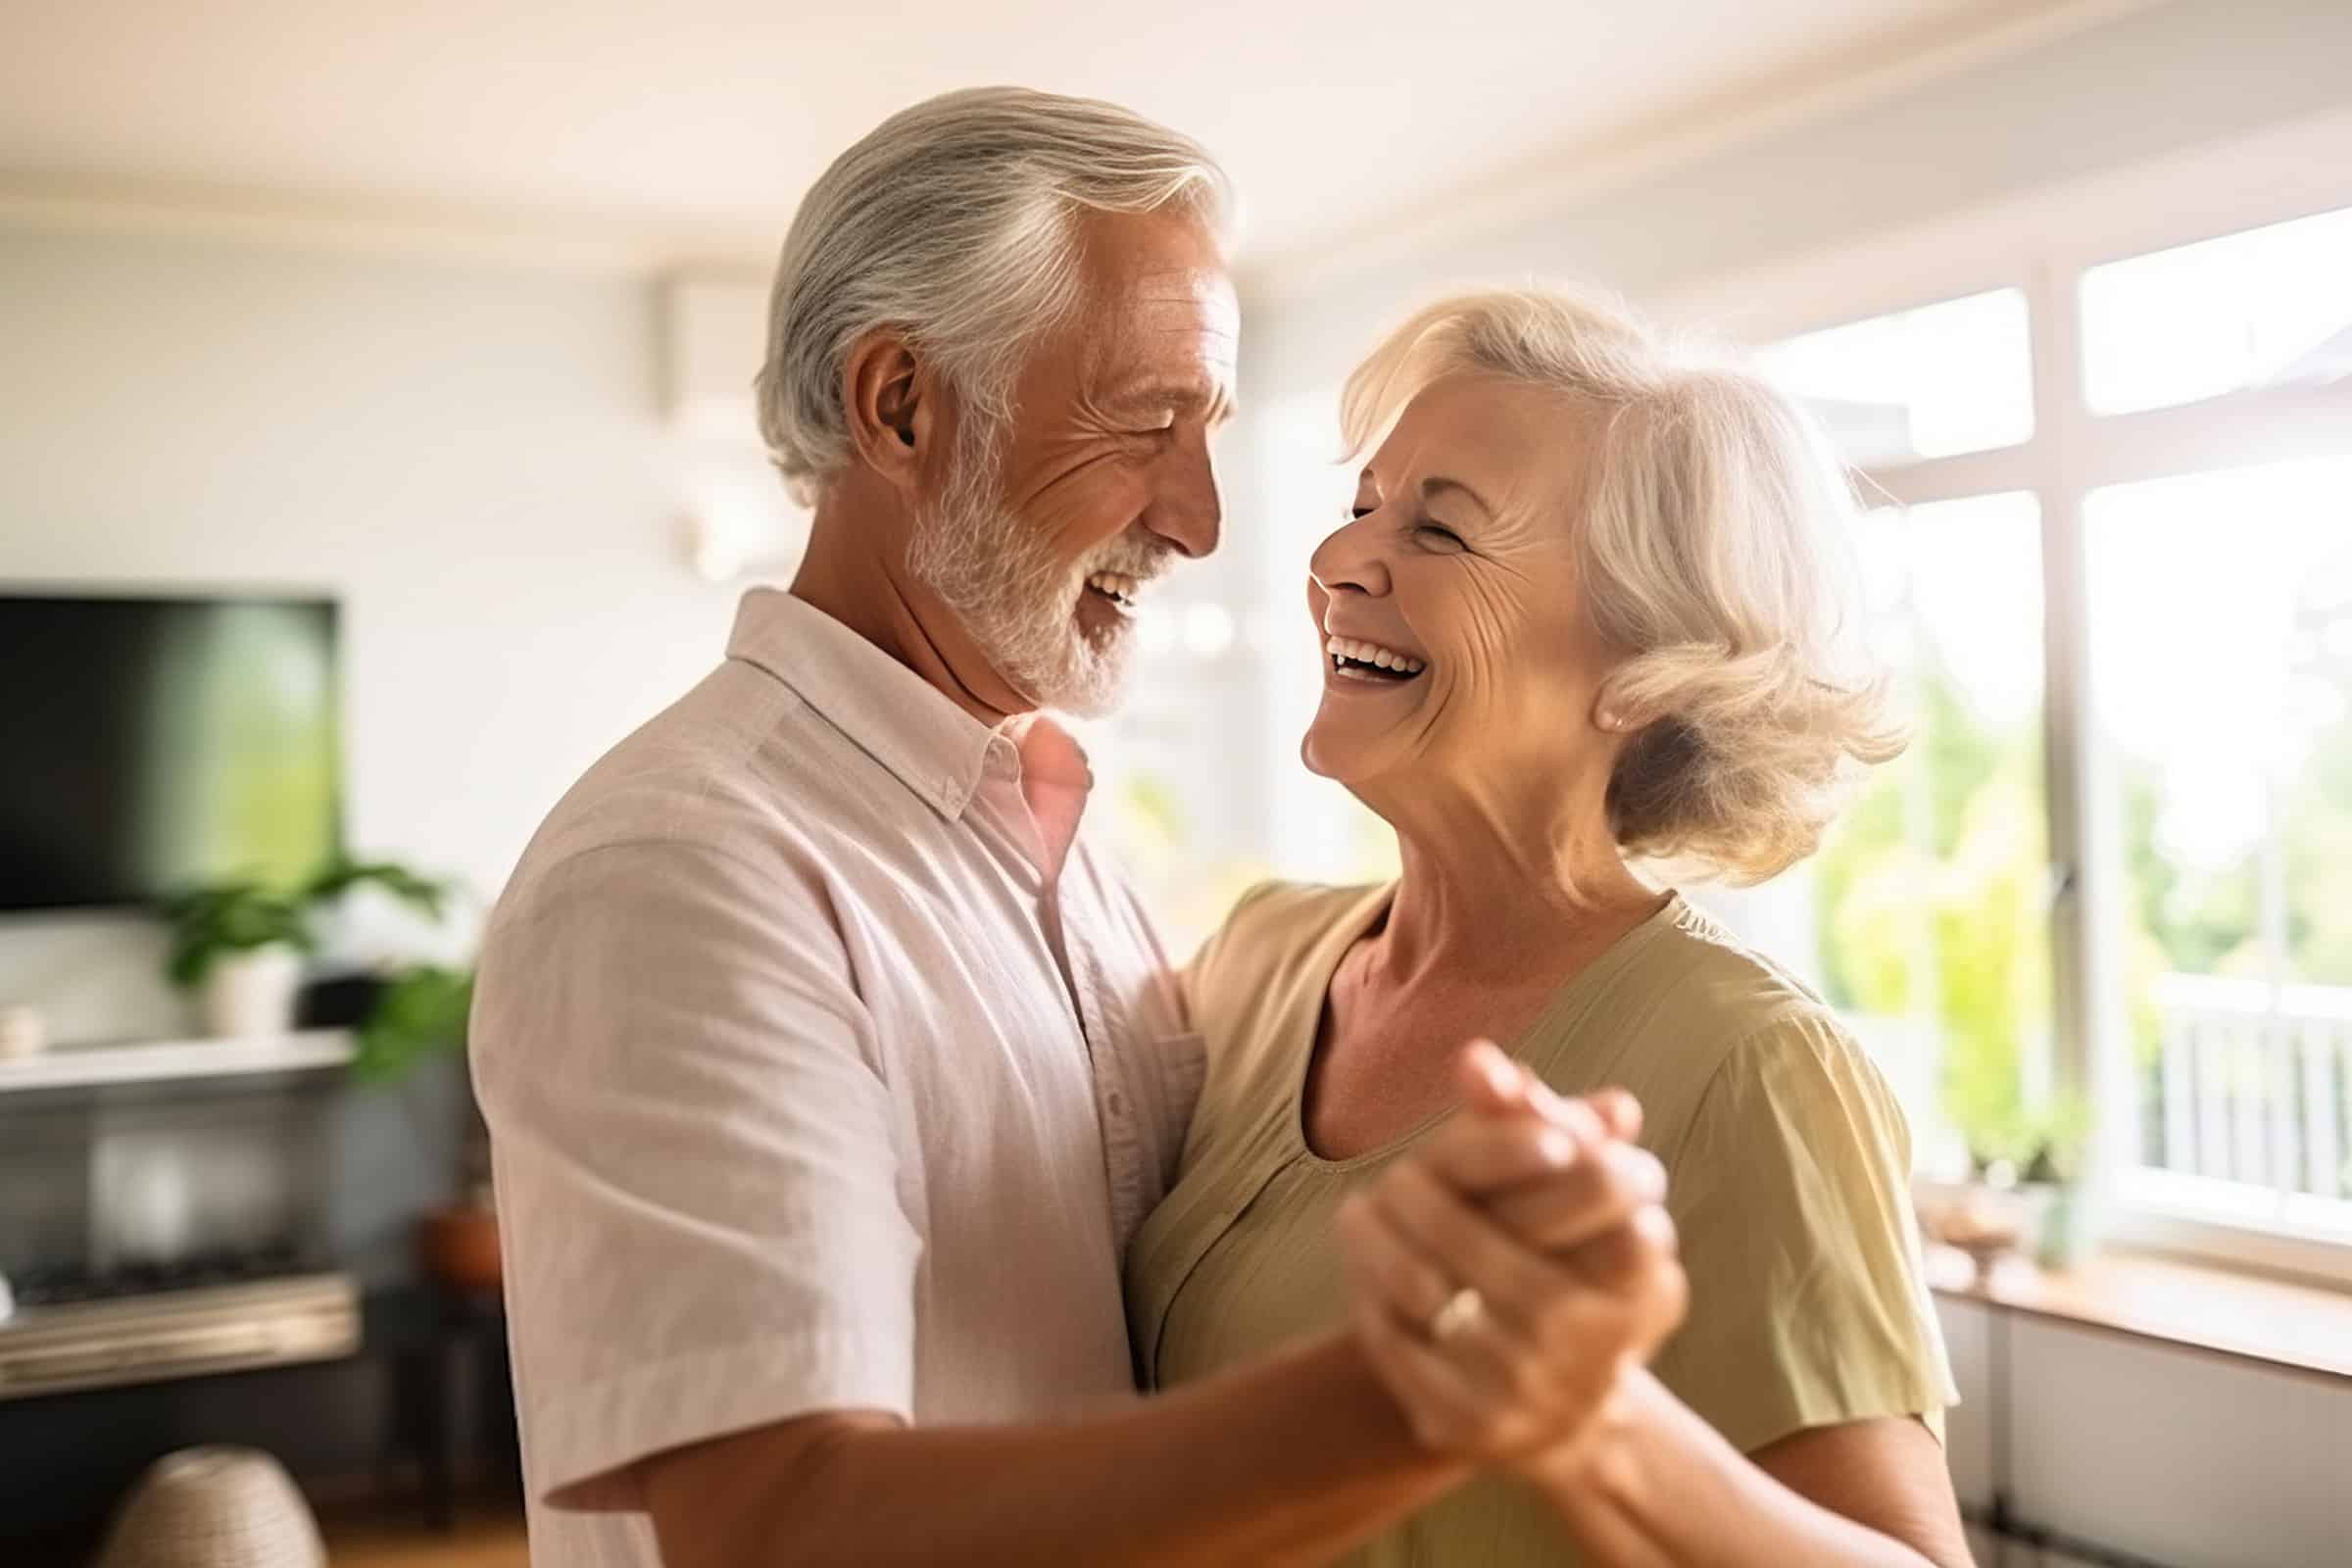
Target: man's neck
<point>854,571</point>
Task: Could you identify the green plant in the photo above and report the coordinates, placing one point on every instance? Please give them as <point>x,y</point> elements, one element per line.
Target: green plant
<point>341,876</point>
<point>2040,1146</point>
<point>421,1014</point>
<point>210,923</point>
<point>243,914</point>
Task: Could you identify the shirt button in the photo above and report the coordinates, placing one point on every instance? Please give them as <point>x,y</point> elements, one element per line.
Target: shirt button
<point>1117,1103</point>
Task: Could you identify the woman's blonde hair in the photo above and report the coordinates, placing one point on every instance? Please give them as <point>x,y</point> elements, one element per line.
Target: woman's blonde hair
<point>1714,551</point>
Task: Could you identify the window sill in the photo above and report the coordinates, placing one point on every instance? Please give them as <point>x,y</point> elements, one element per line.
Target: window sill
<point>2216,1311</point>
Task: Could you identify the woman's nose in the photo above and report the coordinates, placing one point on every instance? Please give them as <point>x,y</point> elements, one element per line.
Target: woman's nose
<point>1348,558</point>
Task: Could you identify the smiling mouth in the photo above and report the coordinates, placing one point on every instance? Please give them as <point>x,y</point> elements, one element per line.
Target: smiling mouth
<point>1352,659</point>
<point>1116,587</point>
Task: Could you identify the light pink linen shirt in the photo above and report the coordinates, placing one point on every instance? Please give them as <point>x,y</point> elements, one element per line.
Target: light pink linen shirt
<point>825,1068</point>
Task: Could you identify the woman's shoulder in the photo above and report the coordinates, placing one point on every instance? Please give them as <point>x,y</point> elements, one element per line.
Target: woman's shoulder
<point>1274,922</point>
<point>1268,940</point>
<point>1783,1062</point>
<point>1720,1018</point>
<point>1715,970</point>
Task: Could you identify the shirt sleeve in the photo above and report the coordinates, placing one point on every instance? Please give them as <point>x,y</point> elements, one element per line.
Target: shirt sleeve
<point>694,1165</point>
<point>1808,1304</point>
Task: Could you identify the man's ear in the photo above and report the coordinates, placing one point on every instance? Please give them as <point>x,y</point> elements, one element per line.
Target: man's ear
<point>893,402</point>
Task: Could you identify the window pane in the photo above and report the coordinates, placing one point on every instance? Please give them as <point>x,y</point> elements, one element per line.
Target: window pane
<point>2221,647</point>
<point>1921,383</point>
<point>1932,894</point>
<point>2271,306</point>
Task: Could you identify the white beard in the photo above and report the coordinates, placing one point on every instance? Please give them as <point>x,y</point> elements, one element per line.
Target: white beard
<point>1018,601</point>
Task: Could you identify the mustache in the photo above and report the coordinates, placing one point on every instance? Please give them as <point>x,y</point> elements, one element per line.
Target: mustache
<point>1136,554</point>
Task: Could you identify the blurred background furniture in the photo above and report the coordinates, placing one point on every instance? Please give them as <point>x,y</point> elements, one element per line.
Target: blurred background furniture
<point>214,1507</point>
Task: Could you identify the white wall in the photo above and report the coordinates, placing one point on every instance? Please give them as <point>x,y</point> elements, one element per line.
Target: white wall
<point>469,456</point>
<point>2175,1456</point>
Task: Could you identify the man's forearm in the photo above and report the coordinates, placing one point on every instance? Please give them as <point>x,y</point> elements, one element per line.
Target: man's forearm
<point>1289,1462</point>
<point>1659,1487</point>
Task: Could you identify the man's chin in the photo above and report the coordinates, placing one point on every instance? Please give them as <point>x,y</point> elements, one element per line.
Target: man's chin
<point>1090,682</point>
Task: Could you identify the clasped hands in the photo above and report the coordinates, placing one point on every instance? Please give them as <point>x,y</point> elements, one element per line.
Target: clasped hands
<point>1510,1270</point>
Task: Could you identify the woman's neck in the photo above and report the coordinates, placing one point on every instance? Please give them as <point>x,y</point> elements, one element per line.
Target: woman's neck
<point>1488,894</point>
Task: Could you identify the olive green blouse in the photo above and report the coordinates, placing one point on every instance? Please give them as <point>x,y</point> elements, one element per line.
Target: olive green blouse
<point>1787,1155</point>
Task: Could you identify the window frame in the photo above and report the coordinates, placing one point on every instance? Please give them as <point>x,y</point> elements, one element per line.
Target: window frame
<point>2042,243</point>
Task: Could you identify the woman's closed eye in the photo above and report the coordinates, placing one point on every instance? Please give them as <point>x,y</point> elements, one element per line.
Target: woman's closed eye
<point>1438,535</point>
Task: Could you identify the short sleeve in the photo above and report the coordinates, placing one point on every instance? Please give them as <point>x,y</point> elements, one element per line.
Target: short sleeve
<point>1808,1304</point>
<point>694,1159</point>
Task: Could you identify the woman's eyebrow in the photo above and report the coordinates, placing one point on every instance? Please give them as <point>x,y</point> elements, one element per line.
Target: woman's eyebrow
<point>1438,483</point>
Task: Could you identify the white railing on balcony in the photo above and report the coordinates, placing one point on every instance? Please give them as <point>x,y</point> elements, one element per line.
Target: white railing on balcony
<point>2253,1084</point>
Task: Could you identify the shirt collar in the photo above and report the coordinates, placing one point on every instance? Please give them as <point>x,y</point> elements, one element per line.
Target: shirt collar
<point>890,712</point>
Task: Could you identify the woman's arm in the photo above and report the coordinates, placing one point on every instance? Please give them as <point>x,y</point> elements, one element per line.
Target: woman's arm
<point>1655,1486</point>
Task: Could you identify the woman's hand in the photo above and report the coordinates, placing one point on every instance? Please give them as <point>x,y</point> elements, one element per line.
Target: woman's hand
<point>1509,1270</point>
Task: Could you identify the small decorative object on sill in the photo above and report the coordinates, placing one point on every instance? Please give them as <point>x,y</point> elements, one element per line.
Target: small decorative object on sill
<point>2057,1204</point>
<point>22,1033</point>
<point>2022,1197</point>
<point>214,1507</point>
<point>1988,1223</point>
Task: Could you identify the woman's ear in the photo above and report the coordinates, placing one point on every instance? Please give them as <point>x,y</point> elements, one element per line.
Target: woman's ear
<point>1612,713</point>
<point>891,399</point>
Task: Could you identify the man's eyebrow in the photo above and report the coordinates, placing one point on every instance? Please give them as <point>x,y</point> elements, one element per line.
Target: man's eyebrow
<point>1206,399</point>
<point>1184,395</point>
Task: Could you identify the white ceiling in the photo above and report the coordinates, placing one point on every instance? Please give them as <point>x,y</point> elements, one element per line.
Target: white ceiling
<point>702,120</point>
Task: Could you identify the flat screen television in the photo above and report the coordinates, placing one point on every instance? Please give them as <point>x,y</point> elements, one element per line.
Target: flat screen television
<point>149,743</point>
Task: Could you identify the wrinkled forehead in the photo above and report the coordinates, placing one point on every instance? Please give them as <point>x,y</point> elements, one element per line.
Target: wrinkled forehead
<point>1157,299</point>
<point>1176,322</point>
<point>1517,445</point>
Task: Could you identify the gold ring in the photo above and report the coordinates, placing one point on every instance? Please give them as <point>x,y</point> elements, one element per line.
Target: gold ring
<point>1461,1312</point>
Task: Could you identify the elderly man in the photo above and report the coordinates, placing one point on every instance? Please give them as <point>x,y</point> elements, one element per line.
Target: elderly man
<point>828,1071</point>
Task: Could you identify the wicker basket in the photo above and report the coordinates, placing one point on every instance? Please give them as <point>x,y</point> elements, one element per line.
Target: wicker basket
<point>216,1507</point>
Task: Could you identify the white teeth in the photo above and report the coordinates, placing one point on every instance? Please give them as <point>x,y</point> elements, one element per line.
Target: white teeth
<point>1117,585</point>
<point>1372,654</point>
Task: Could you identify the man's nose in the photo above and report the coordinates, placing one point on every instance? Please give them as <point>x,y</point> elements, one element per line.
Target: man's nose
<point>1188,513</point>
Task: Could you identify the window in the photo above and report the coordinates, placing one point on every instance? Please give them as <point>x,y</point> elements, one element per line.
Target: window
<point>1932,894</point>
<point>2223,657</point>
<point>1930,382</point>
<point>2177,512</point>
<point>2268,307</point>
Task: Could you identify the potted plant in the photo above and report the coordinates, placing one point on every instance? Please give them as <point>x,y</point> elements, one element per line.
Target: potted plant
<point>422,1014</point>
<point>239,945</point>
<point>2023,1195</point>
<point>2047,1154</point>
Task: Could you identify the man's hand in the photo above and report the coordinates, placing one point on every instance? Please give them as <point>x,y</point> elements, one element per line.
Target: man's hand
<point>1510,1270</point>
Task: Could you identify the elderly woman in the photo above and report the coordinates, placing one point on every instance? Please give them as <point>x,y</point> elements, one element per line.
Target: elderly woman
<point>1581,614</point>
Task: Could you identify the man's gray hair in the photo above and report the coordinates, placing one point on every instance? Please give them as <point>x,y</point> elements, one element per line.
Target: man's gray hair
<point>956,222</point>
